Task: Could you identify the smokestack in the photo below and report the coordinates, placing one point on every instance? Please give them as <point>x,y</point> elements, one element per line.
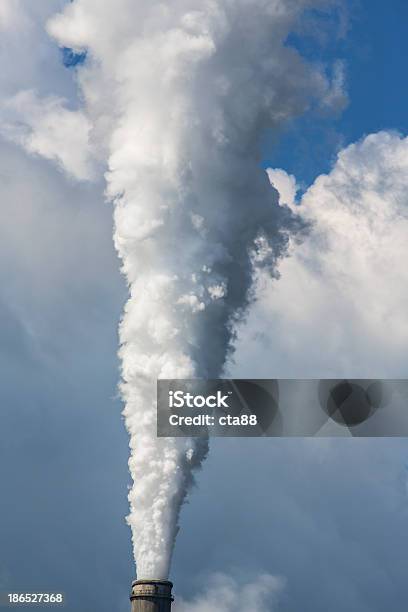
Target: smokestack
<point>151,596</point>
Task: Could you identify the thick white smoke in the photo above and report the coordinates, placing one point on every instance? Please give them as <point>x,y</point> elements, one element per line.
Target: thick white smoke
<point>178,95</point>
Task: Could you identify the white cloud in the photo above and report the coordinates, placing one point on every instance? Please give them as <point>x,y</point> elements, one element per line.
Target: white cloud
<point>38,95</point>
<point>225,594</point>
<point>29,59</point>
<point>10,14</point>
<point>47,128</point>
<point>336,96</point>
<point>56,252</point>
<point>339,307</point>
<point>285,184</point>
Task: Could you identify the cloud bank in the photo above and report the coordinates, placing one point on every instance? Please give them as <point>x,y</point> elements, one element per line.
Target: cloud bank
<point>339,305</point>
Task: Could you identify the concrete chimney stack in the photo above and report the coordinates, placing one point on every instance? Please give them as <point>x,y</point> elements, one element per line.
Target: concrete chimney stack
<point>151,596</point>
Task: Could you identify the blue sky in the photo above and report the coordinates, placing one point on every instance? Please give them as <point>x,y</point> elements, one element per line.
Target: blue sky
<point>330,517</point>
<point>70,58</point>
<point>374,50</point>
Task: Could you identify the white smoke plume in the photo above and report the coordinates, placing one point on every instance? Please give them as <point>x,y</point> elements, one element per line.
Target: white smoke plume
<point>225,594</point>
<point>177,96</point>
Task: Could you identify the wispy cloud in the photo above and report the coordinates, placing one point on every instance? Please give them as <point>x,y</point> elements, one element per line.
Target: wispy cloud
<point>226,594</point>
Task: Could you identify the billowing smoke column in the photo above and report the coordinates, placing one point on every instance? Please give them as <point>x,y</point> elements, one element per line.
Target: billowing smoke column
<point>178,95</point>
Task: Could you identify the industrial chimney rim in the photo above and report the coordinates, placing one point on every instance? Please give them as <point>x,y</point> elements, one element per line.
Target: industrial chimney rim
<point>151,590</point>
<point>152,581</point>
